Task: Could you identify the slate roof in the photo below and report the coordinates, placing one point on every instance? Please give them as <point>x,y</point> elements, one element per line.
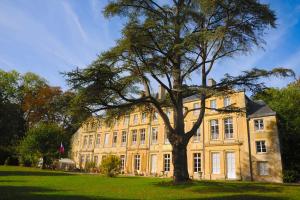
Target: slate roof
<point>258,109</point>
<point>191,98</point>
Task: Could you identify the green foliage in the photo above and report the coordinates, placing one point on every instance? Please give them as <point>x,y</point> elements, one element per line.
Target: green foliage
<point>286,103</point>
<point>42,141</point>
<point>90,166</point>
<point>291,176</point>
<point>110,166</point>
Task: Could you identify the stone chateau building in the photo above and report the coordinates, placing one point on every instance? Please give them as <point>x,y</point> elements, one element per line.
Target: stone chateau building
<point>231,146</point>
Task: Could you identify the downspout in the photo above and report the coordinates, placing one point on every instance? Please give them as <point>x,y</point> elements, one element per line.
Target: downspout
<point>249,146</point>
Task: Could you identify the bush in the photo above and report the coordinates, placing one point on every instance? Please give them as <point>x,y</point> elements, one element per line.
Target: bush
<point>290,176</point>
<point>110,166</point>
<point>11,161</point>
<point>90,167</point>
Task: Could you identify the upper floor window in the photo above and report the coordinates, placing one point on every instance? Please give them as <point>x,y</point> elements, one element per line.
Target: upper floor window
<point>213,104</point>
<point>90,141</point>
<point>116,123</point>
<point>228,126</point>
<point>259,124</point>
<point>144,117</point>
<point>98,140</point>
<point>197,162</point>
<point>142,136</point>
<point>214,129</point>
<point>154,135</point>
<point>196,137</point>
<point>168,113</point>
<point>155,116</point>
<point>115,138</point>
<point>263,168</point>
<point>261,146</point>
<point>85,141</point>
<point>124,135</point>
<point>167,162</point>
<point>106,139</point>
<point>134,136</point>
<point>227,101</point>
<point>135,118</point>
<point>196,108</point>
<point>166,136</point>
<point>126,120</point>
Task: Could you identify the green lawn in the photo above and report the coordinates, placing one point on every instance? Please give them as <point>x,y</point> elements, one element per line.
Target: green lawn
<point>27,183</point>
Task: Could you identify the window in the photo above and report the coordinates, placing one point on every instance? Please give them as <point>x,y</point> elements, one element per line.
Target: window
<point>196,137</point>
<point>259,124</point>
<point>168,113</point>
<point>214,129</point>
<point>137,162</point>
<point>227,102</point>
<point>196,106</point>
<point>90,141</point>
<point>98,140</point>
<point>122,158</point>
<point>154,135</point>
<point>197,162</point>
<point>103,157</point>
<point>166,136</point>
<point>263,168</point>
<point>81,159</point>
<point>126,120</point>
<point>115,138</point>
<point>228,126</point>
<point>261,146</point>
<point>144,117</point>
<point>135,118</point>
<point>155,116</point>
<point>116,123</point>
<point>96,160</point>
<point>85,141</point>
<point>142,135</point>
<point>87,158</point>
<point>123,142</point>
<point>134,137</point>
<point>167,162</point>
<point>215,163</point>
<point>106,139</point>
<point>213,104</point>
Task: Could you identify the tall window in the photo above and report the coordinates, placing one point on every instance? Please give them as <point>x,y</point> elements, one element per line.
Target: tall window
<point>116,123</point>
<point>137,162</point>
<point>90,141</point>
<point>196,137</point>
<point>98,140</point>
<point>96,160</point>
<point>166,140</point>
<point>263,169</point>
<point>214,129</point>
<point>135,118</point>
<point>228,126</point>
<point>196,108</point>
<point>259,124</point>
<point>85,141</point>
<point>261,146</point>
<point>168,113</point>
<point>115,138</point>
<point>197,162</point>
<point>213,104</point>
<point>227,102</point>
<point>87,158</point>
<point>154,135</point>
<point>123,142</point>
<point>144,117</point>
<point>134,137</point>
<point>167,162</point>
<point>215,163</point>
<point>81,159</point>
<point>143,135</point>
<point>155,116</point>
<point>122,158</point>
<point>126,120</point>
<point>106,139</point>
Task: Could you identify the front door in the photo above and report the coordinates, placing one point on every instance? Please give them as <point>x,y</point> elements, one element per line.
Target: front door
<point>231,174</point>
<point>153,164</point>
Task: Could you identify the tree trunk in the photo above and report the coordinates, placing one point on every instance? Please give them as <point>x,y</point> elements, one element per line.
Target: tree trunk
<point>179,159</point>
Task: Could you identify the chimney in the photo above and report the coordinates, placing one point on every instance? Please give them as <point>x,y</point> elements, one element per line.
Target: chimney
<point>211,82</point>
<point>161,92</point>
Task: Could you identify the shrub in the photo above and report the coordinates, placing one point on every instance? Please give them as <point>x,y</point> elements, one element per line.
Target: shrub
<point>11,160</point>
<point>90,166</point>
<point>110,166</point>
<point>290,176</point>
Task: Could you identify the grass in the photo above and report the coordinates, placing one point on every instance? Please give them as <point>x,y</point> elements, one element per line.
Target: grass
<point>28,183</point>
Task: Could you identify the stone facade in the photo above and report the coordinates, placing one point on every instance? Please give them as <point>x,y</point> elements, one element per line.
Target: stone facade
<point>235,146</point>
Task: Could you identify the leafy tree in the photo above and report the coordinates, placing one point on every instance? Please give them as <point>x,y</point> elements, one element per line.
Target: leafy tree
<point>110,166</point>
<point>42,141</point>
<point>168,43</point>
<point>286,103</point>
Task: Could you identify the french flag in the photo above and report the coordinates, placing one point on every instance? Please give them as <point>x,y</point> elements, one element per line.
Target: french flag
<point>61,148</point>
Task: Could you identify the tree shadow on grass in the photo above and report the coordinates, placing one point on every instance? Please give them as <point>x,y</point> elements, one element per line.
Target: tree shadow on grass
<point>39,193</point>
<point>33,173</point>
<point>241,197</point>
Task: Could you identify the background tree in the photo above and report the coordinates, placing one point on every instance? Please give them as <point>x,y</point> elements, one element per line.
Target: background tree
<point>42,141</point>
<point>286,103</point>
<point>168,44</point>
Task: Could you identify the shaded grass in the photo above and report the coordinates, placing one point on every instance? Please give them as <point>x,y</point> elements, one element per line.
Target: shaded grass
<point>28,183</point>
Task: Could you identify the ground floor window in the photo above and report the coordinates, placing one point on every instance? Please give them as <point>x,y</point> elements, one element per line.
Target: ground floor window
<point>263,169</point>
<point>122,157</point>
<point>197,162</point>
<point>167,162</point>
<point>137,162</point>
<point>216,163</point>
<point>96,160</point>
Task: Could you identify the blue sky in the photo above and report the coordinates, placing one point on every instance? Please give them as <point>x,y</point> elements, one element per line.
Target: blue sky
<point>52,36</point>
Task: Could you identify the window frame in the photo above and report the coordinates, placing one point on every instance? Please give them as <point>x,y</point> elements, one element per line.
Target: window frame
<point>261,146</point>
<point>197,162</point>
<point>142,139</point>
<point>261,126</point>
<point>228,128</point>
<point>134,137</point>
<point>214,129</point>
<point>167,162</point>
<point>154,137</point>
